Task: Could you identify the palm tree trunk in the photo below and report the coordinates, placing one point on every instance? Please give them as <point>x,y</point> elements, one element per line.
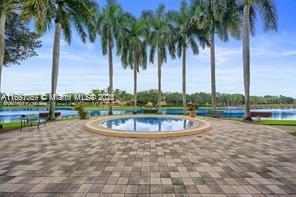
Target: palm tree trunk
<point>110,75</point>
<point>213,72</point>
<point>246,60</point>
<point>159,80</point>
<point>135,89</point>
<point>184,77</point>
<point>2,43</point>
<point>55,69</point>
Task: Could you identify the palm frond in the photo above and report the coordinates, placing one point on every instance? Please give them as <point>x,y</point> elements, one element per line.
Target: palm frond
<point>269,14</point>
<point>193,45</point>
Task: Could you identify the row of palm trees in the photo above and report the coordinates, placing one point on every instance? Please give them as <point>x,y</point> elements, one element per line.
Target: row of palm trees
<point>152,36</point>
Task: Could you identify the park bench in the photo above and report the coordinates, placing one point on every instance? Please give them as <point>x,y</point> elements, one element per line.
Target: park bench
<point>35,119</point>
<point>260,115</point>
<point>31,119</point>
<point>216,114</point>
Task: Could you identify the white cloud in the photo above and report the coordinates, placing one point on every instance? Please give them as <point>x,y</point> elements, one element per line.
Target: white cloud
<point>82,68</point>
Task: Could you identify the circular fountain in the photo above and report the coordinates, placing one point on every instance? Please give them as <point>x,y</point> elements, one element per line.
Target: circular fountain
<point>147,126</point>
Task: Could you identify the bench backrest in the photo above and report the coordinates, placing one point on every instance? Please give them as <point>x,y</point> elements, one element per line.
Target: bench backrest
<point>261,114</point>
<point>30,117</point>
<point>45,114</point>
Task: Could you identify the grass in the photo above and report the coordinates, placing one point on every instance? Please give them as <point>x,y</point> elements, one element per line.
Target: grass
<point>293,133</point>
<point>16,125</point>
<point>278,122</point>
<point>106,108</point>
<point>9,125</point>
<point>239,119</point>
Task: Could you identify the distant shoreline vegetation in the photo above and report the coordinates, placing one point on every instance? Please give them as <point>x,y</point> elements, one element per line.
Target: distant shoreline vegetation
<point>144,98</point>
<point>62,97</point>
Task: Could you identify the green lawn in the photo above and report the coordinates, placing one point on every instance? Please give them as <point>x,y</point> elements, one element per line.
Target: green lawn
<point>12,125</point>
<point>106,108</point>
<point>278,122</point>
<point>9,125</point>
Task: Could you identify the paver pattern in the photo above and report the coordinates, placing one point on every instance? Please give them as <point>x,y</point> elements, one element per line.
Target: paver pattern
<point>232,159</point>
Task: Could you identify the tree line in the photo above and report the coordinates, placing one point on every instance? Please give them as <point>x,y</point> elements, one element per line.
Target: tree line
<point>149,98</point>
<point>175,99</point>
<point>153,37</point>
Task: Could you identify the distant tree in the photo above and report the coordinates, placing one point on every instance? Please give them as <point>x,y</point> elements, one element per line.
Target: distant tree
<point>124,96</point>
<point>20,42</point>
<point>236,99</point>
<point>145,97</point>
<point>257,100</point>
<point>286,100</point>
<point>174,99</point>
<point>201,99</point>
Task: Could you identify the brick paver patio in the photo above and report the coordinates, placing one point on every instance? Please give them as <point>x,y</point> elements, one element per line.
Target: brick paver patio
<point>232,159</point>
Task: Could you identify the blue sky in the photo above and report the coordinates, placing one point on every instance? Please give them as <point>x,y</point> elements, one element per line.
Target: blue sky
<point>83,67</point>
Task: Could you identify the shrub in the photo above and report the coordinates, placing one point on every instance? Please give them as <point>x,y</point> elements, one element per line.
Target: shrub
<point>191,107</point>
<point>81,111</point>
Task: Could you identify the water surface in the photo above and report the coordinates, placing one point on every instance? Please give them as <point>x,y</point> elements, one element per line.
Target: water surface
<point>150,124</point>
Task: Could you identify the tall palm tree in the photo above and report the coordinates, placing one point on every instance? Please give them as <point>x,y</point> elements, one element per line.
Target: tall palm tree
<point>267,10</point>
<point>109,28</point>
<point>159,39</point>
<point>222,17</point>
<point>133,49</point>
<point>186,35</point>
<point>64,15</point>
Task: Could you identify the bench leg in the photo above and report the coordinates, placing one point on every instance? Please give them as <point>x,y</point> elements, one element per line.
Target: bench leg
<point>21,127</point>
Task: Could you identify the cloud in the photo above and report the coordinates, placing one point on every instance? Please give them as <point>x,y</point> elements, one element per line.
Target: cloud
<point>83,67</point>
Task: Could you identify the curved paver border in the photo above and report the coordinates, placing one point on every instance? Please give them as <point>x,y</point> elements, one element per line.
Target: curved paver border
<point>95,127</point>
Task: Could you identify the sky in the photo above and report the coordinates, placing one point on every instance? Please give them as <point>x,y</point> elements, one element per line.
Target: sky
<point>83,67</point>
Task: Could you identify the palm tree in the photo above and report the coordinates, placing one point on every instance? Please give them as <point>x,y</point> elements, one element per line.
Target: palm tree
<point>133,49</point>
<point>186,35</point>
<point>8,7</point>
<point>159,38</point>
<point>5,8</point>
<point>268,13</point>
<point>221,17</point>
<point>109,28</point>
<point>65,15</point>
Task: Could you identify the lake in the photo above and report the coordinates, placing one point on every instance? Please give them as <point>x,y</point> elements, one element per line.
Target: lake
<point>11,115</point>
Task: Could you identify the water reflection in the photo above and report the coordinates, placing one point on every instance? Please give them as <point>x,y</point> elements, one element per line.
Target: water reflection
<point>152,124</point>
